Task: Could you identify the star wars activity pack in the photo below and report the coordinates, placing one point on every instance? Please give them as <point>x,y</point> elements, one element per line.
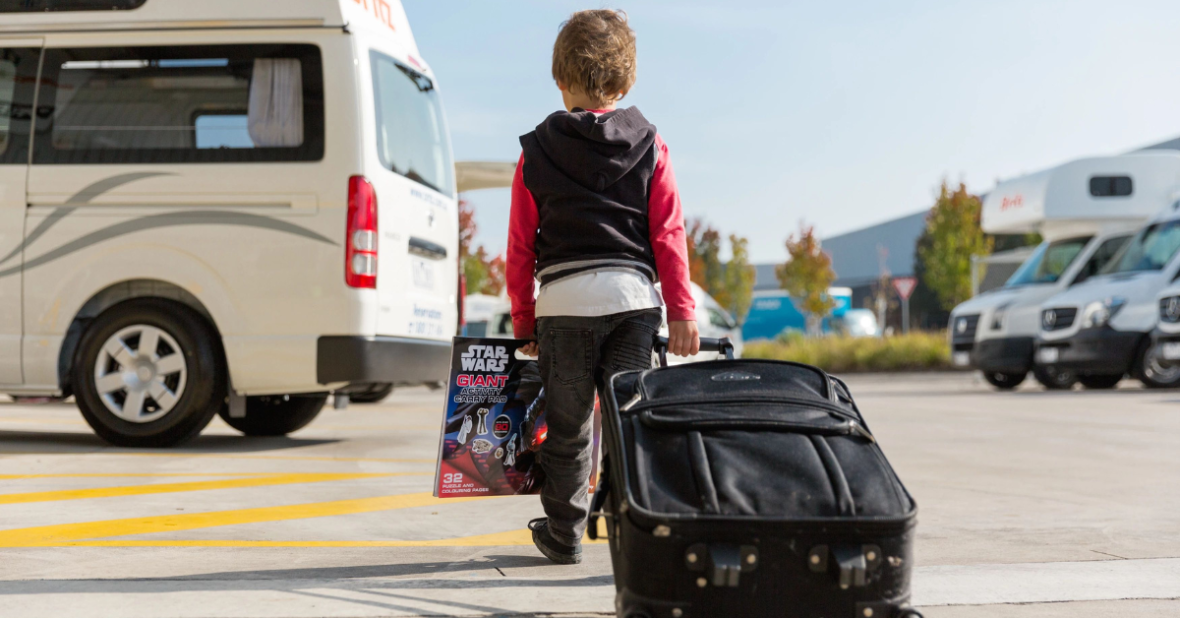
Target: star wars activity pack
<point>494,422</point>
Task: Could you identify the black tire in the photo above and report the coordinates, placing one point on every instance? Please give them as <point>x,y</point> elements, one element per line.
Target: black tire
<point>205,382</point>
<point>1054,379</point>
<point>1153,371</point>
<point>276,415</point>
<point>1101,382</point>
<point>375,393</point>
<point>1004,381</point>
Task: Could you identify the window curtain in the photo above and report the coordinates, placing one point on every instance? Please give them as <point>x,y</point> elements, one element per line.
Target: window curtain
<point>276,103</point>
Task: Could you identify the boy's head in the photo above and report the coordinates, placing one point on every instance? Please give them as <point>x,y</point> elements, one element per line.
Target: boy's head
<point>594,58</point>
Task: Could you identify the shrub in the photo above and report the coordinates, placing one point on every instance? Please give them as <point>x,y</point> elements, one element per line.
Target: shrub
<point>916,351</point>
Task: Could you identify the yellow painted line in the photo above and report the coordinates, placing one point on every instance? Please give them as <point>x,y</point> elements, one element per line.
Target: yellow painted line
<point>512,537</point>
<point>168,488</point>
<point>217,456</point>
<point>61,534</point>
<point>515,537</point>
<point>70,475</point>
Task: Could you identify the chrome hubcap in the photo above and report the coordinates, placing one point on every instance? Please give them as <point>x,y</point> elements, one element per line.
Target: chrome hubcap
<point>140,373</point>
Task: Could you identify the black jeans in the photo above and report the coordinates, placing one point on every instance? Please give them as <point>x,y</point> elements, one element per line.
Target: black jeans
<point>577,355</point>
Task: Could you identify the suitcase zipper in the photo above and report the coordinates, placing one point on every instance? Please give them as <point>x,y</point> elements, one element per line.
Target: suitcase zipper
<point>798,401</point>
<point>847,428</point>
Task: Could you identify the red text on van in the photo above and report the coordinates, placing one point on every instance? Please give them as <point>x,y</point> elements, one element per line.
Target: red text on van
<point>381,11</point>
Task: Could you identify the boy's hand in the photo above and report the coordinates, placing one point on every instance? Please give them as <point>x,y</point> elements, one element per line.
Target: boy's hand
<point>683,338</point>
<point>529,349</point>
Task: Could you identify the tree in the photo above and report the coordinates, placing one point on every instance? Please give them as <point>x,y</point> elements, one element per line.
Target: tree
<point>467,227</point>
<point>738,289</point>
<point>807,275</point>
<point>484,275</point>
<point>704,256</point>
<point>494,282</point>
<point>951,238</point>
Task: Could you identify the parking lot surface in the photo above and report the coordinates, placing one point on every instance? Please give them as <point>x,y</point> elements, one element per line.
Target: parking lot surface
<point>1031,503</point>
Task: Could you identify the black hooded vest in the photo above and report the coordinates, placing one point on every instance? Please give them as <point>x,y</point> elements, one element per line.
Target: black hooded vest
<point>591,176</point>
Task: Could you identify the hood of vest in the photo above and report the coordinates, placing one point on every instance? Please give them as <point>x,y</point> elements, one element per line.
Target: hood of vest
<point>596,151</point>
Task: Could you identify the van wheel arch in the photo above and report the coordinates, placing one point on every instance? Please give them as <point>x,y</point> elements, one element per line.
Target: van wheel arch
<point>109,297</point>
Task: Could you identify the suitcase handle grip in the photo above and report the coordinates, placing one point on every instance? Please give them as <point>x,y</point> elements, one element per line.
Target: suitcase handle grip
<point>720,345</point>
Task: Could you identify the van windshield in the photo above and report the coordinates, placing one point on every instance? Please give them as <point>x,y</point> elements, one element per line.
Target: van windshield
<point>411,131</point>
<point>1048,262</point>
<point>1151,249</point>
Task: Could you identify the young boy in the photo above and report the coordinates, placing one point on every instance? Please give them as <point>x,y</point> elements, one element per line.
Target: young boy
<point>596,219</point>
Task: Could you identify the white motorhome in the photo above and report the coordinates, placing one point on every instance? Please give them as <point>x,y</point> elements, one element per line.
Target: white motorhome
<point>1101,330</point>
<point>1085,210</point>
<point>223,207</point>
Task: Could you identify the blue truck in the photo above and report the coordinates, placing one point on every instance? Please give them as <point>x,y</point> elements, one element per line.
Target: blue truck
<point>774,312</point>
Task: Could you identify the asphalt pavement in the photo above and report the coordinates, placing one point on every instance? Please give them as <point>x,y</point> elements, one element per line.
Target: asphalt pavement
<point>1032,503</point>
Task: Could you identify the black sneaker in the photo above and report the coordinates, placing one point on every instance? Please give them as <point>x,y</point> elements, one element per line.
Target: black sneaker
<point>552,548</point>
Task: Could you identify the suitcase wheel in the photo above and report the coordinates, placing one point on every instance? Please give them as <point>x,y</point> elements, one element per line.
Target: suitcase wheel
<point>909,613</point>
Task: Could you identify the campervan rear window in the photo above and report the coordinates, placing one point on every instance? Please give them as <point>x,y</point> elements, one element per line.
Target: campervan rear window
<point>1111,186</point>
<point>18,71</point>
<point>7,91</point>
<point>40,6</point>
<point>192,104</point>
<point>411,131</point>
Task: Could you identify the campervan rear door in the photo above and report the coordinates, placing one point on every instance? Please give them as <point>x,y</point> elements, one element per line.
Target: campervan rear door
<point>410,165</point>
<point>18,76</point>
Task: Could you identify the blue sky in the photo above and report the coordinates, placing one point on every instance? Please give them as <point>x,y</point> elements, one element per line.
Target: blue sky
<point>838,114</point>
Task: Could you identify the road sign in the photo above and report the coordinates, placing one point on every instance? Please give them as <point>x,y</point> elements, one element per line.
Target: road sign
<point>905,286</point>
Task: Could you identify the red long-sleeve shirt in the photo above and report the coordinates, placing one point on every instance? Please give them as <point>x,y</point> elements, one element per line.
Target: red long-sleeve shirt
<point>665,232</point>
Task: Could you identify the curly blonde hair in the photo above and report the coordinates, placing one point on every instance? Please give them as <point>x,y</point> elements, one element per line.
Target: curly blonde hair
<point>595,55</point>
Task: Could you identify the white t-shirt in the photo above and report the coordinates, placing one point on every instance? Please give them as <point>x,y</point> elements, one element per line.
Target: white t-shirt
<point>598,293</point>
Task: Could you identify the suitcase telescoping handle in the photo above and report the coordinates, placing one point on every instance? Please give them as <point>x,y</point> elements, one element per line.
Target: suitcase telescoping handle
<point>708,344</point>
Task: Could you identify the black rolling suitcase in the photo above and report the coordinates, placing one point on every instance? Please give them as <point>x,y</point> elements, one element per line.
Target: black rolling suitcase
<point>748,488</point>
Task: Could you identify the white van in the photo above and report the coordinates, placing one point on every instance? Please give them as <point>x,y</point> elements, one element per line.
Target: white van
<point>1101,330</point>
<point>1085,210</point>
<point>222,207</point>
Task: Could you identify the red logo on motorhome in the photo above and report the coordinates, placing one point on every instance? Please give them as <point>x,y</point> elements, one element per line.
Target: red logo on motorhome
<point>1016,201</point>
<point>381,11</point>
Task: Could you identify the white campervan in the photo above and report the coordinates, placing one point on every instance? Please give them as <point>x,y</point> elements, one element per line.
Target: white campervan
<point>224,206</point>
<point>1086,211</point>
<point>1102,330</point>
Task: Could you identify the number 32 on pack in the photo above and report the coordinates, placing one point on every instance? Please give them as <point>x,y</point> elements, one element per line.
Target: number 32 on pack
<point>456,477</point>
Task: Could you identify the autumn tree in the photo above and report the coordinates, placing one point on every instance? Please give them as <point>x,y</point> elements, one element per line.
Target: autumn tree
<point>731,283</point>
<point>737,289</point>
<point>807,275</point>
<point>704,255</point>
<point>484,275</point>
<point>951,238</point>
<point>467,227</point>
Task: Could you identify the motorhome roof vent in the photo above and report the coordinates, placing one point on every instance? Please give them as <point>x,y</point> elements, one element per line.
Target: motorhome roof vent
<point>1110,186</point>
<point>38,6</point>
